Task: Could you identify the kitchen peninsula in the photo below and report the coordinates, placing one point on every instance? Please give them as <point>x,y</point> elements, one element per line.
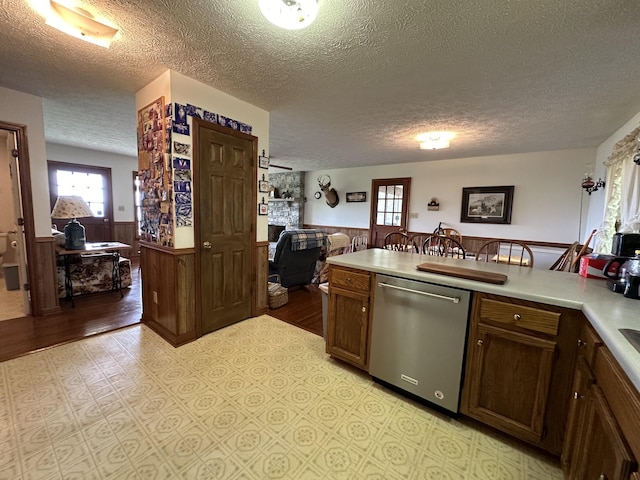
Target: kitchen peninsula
<point>545,343</point>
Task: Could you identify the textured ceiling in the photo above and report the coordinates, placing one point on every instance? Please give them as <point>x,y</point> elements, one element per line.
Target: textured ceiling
<point>355,87</point>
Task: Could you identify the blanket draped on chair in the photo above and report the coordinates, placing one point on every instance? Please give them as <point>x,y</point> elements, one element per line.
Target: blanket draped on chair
<point>305,239</point>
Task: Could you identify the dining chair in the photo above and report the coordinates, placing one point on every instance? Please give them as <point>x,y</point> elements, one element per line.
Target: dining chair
<point>511,252</point>
<point>397,241</point>
<point>359,243</point>
<point>449,232</point>
<point>443,246</point>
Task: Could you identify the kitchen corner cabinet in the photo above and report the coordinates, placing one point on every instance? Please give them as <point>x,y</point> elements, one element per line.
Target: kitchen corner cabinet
<point>520,361</point>
<point>603,432</point>
<point>349,315</point>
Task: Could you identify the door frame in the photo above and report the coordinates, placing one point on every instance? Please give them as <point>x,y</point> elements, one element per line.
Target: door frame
<point>377,182</point>
<point>196,126</point>
<point>53,165</point>
<point>26,198</point>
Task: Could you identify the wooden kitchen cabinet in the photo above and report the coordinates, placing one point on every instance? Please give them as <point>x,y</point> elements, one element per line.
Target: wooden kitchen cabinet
<point>349,315</point>
<point>604,453</point>
<point>574,438</point>
<point>603,437</point>
<point>520,363</point>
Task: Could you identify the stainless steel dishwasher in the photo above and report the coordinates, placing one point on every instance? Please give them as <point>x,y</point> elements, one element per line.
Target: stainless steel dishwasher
<point>418,338</point>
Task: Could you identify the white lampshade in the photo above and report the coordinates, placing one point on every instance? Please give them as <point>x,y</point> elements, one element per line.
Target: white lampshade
<point>290,14</point>
<point>71,206</point>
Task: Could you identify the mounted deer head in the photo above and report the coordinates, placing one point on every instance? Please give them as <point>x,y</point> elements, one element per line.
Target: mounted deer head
<point>330,194</point>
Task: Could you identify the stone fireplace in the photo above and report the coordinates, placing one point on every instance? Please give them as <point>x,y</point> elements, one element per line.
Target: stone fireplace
<point>286,212</point>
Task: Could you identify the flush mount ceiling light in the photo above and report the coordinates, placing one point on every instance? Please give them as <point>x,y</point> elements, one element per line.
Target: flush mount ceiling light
<point>290,14</point>
<point>79,23</point>
<point>434,140</point>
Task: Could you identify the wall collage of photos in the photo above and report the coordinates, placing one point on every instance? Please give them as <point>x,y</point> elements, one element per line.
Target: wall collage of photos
<point>166,178</point>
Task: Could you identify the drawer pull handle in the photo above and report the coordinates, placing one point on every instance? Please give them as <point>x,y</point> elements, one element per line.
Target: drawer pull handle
<point>364,309</point>
<point>516,316</point>
<point>349,279</point>
<point>577,396</point>
<point>480,342</point>
<point>581,343</point>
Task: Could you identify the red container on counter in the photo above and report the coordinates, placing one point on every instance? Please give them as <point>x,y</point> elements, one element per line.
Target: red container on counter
<point>591,265</point>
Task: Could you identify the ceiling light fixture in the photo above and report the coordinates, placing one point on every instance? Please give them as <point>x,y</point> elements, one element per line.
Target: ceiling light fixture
<point>290,14</point>
<point>434,140</point>
<point>79,23</point>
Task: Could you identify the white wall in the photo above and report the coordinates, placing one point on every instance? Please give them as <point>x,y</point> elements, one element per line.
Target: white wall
<point>121,174</point>
<point>22,108</point>
<point>186,90</point>
<point>547,201</point>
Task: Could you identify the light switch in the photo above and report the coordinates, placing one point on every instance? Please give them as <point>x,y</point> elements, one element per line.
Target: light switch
<point>121,208</point>
<point>413,215</point>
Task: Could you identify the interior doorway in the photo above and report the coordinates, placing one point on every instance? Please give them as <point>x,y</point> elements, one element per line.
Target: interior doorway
<point>15,298</point>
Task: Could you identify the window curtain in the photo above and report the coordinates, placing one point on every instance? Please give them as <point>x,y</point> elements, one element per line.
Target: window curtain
<point>623,190</point>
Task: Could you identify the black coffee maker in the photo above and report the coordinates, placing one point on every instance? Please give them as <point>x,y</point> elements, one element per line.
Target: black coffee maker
<point>623,275</point>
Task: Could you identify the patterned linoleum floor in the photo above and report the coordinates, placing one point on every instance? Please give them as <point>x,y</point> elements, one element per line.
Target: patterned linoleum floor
<point>257,400</point>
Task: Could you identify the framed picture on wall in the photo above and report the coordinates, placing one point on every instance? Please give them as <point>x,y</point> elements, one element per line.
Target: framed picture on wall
<point>487,204</point>
<point>263,208</point>
<point>263,161</point>
<point>356,196</point>
<point>263,186</point>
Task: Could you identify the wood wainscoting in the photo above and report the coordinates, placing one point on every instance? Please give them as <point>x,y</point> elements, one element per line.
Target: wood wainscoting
<point>261,269</point>
<point>125,232</point>
<point>168,292</point>
<point>44,285</point>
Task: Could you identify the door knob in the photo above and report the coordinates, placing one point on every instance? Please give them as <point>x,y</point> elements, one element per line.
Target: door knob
<point>206,244</point>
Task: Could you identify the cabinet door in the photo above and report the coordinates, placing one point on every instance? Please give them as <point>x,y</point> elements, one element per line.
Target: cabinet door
<point>348,326</point>
<point>508,380</point>
<point>574,438</point>
<point>605,454</point>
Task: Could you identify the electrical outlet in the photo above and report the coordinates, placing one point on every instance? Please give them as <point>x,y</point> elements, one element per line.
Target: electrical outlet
<point>155,297</point>
<point>413,215</point>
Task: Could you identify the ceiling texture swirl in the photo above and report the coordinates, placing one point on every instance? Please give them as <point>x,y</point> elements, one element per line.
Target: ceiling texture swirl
<point>357,86</point>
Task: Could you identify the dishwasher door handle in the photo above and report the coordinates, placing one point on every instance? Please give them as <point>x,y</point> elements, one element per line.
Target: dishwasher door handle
<point>426,294</point>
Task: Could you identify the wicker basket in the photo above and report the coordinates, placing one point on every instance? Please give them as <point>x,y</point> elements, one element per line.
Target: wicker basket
<point>278,295</point>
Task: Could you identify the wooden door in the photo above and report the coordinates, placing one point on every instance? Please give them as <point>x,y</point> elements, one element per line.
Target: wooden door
<point>93,184</point>
<point>508,380</point>
<point>225,214</point>
<point>389,208</point>
<point>605,453</point>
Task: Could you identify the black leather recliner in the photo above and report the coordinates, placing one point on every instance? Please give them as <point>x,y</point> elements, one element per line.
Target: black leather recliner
<point>295,267</point>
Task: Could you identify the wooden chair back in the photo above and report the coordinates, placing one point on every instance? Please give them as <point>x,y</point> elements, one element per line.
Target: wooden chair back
<point>511,252</point>
<point>442,246</point>
<point>449,232</point>
<point>563,263</point>
<point>359,243</point>
<point>397,241</point>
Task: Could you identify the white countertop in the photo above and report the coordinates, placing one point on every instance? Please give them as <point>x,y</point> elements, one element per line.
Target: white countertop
<point>607,311</point>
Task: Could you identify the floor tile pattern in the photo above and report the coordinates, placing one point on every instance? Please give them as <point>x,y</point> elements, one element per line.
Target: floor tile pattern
<point>257,400</point>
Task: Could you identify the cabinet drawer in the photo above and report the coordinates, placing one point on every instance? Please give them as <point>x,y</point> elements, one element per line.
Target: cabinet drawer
<point>358,281</point>
<point>531,318</point>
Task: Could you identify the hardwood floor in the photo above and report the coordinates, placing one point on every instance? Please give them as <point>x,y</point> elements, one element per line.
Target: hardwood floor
<point>93,314</point>
<point>304,309</point>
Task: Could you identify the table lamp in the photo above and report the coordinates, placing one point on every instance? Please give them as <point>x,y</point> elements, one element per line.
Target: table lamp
<point>71,207</point>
